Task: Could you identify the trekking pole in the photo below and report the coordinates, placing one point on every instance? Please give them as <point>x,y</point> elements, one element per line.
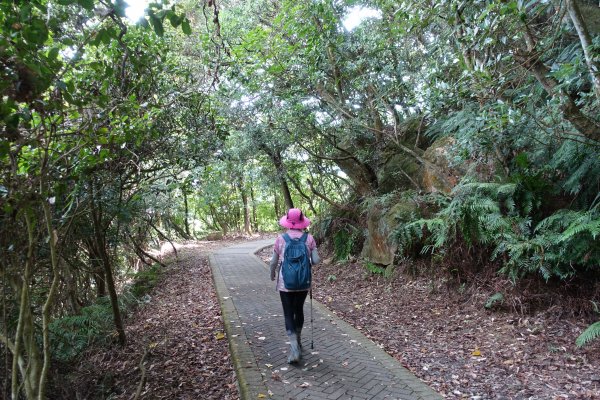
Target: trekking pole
<point>312,330</point>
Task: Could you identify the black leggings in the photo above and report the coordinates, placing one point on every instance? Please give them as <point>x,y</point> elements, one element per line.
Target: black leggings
<point>293,311</point>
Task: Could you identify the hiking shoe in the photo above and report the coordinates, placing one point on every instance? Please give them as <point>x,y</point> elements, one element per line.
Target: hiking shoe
<point>295,355</point>
<point>299,336</point>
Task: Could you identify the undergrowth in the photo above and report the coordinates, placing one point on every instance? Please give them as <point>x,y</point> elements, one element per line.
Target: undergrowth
<point>94,324</point>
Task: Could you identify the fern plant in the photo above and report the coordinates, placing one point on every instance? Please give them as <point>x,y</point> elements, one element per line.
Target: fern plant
<point>72,334</point>
<point>344,241</point>
<point>504,217</point>
<point>590,334</point>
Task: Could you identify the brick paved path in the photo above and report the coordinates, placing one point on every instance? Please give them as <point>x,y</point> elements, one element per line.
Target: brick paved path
<point>344,364</point>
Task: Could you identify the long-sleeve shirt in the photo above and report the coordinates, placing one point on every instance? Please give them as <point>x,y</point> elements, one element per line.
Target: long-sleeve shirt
<point>279,251</point>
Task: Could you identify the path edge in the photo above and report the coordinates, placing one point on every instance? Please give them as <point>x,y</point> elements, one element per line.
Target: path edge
<point>250,382</point>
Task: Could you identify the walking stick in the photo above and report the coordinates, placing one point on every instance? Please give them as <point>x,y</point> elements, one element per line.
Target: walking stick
<point>312,330</point>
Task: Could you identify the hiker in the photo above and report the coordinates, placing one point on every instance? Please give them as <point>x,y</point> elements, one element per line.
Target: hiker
<point>293,294</point>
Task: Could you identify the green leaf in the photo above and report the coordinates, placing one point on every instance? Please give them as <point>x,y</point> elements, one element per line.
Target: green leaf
<point>492,300</point>
<point>591,333</point>
<point>521,160</point>
<point>4,149</point>
<point>120,6</point>
<point>87,4</point>
<point>53,53</point>
<point>157,25</point>
<point>185,27</point>
<point>36,32</point>
<point>66,2</point>
<point>174,19</point>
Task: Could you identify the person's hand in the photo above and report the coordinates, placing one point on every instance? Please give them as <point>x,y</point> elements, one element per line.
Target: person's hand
<point>272,274</point>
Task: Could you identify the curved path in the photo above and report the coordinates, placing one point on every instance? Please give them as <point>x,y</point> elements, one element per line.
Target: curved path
<point>343,365</point>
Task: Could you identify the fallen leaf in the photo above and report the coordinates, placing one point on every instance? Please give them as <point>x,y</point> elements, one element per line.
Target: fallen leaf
<point>476,353</point>
<point>220,336</point>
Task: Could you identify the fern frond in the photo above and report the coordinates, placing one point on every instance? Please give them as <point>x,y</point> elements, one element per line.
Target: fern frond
<point>579,226</point>
<point>590,333</point>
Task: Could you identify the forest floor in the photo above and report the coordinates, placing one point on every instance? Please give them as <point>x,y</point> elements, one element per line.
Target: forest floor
<point>449,340</point>
<point>178,337</point>
<point>445,337</point>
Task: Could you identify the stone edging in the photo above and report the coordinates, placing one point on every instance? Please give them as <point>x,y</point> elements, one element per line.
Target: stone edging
<point>250,382</point>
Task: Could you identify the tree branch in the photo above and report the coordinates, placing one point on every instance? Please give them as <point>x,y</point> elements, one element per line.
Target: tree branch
<point>586,43</point>
<point>326,199</point>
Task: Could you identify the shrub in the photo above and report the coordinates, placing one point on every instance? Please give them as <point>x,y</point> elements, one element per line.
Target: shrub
<point>72,334</point>
<point>505,217</point>
<point>145,280</point>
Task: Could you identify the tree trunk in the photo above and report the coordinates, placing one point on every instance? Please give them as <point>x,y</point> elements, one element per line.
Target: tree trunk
<point>586,43</point>
<point>244,196</point>
<point>253,201</point>
<point>112,291</point>
<point>100,248</point>
<point>97,270</point>
<point>275,156</point>
<point>47,308</point>
<point>278,211</point>
<point>285,189</point>
<point>187,218</point>
<point>303,195</point>
<point>571,112</point>
<point>31,369</point>
<point>362,176</point>
<point>218,220</point>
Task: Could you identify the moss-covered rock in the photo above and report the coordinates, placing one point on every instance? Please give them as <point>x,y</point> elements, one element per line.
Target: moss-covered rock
<point>380,245</point>
<point>400,172</point>
<point>439,175</point>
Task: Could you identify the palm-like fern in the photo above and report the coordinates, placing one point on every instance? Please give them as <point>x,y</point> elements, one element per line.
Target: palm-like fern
<point>591,333</point>
<point>500,215</point>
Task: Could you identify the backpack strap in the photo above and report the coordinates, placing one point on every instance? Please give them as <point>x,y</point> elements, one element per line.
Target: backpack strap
<point>303,240</point>
<point>286,237</point>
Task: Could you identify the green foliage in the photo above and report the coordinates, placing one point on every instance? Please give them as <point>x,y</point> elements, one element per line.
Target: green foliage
<point>493,300</point>
<point>505,217</point>
<point>374,269</point>
<point>94,324</point>
<point>590,334</point>
<point>145,280</point>
<point>343,243</point>
<point>132,132</point>
<point>73,334</point>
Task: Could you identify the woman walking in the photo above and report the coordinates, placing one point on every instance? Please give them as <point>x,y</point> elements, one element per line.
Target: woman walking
<point>294,248</point>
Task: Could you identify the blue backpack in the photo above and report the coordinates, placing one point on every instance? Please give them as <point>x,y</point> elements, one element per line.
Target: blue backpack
<point>295,267</point>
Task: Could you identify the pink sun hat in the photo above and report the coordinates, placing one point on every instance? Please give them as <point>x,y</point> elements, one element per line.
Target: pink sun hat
<point>294,219</point>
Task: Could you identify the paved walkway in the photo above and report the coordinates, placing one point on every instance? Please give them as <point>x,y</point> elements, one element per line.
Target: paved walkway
<point>343,365</point>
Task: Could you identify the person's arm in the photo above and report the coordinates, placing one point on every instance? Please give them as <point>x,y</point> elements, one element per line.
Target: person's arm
<point>314,257</point>
<point>273,264</point>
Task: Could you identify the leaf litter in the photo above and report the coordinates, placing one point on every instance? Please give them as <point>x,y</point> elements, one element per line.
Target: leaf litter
<point>456,346</point>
